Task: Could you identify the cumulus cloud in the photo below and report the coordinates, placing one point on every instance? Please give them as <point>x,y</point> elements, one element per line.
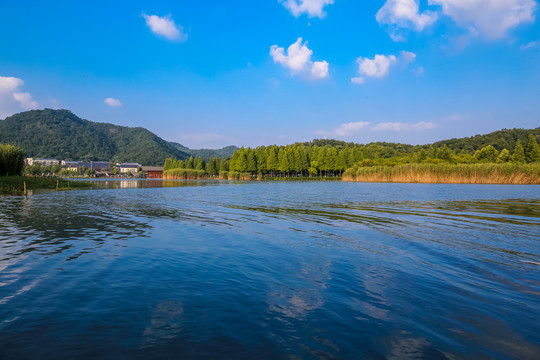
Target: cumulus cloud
<point>11,99</point>
<point>298,60</point>
<point>113,102</point>
<point>398,126</point>
<point>313,8</point>
<point>379,66</point>
<point>10,83</point>
<point>404,14</point>
<point>25,99</point>
<point>164,26</point>
<point>491,18</point>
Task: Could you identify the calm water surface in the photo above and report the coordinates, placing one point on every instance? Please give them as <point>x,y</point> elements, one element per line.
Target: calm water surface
<point>270,270</point>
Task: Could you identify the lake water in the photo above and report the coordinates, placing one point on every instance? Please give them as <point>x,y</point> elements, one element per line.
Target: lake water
<point>271,270</point>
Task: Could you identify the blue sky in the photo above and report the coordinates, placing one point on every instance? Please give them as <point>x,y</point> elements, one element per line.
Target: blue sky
<point>215,73</point>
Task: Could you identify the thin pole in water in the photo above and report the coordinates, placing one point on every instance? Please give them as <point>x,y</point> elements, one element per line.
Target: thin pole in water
<point>24,191</point>
<point>57,185</point>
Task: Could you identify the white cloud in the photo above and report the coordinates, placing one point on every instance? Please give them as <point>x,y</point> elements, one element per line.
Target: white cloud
<point>346,129</point>
<point>377,67</point>
<point>11,100</point>
<point>350,128</point>
<point>319,70</point>
<point>25,99</point>
<point>313,8</point>
<point>113,102</point>
<point>164,26</point>
<point>491,18</point>
<point>298,60</point>
<point>404,14</point>
<point>397,126</point>
<point>530,45</point>
<point>10,83</point>
<point>407,57</point>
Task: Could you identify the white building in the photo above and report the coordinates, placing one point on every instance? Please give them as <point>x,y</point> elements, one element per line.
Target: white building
<point>128,167</point>
<point>44,162</point>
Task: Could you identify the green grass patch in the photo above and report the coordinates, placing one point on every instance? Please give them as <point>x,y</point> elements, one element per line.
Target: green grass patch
<point>14,185</point>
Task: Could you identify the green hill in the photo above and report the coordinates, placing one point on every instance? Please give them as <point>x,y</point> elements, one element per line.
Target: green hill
<point>206,154</point>
<point>502,139</point>
<point>60,134</point>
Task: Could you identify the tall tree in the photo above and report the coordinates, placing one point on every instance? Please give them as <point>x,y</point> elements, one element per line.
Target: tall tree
<point>532,150</point>
<point>272,164</point>
<point>519,153</point>
<point>283,161</point>
<point>251,161</point>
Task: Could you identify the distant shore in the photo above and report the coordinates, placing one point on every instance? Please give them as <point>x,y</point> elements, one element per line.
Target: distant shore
<point>517,174</point>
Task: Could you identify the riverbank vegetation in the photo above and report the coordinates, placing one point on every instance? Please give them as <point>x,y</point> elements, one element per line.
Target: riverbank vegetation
<point>324,159</point>
<point>11,160</point>
<point>15,185</point>
<point>486,173</point>
<point>12,183</point>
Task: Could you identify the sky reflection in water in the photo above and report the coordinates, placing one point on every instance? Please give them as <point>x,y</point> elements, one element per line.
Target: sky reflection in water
<point>271,270</point>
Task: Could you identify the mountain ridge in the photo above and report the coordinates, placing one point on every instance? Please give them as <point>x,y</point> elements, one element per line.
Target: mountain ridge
<point>61,134</point>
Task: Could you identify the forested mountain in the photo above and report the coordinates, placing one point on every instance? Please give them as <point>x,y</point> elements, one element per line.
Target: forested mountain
<point>60,134</point>
<point>206,154</point>
<point>502,139</point>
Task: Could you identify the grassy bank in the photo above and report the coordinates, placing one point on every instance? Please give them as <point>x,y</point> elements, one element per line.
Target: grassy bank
<point>448,173</point>
<point>184,174</point>
<point>14,185</point>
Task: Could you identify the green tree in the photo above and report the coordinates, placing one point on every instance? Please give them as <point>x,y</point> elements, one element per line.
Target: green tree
<point>251,161</point>
<point>198,163</point>
<point>283,161</point>
<point>212,167</point>
<point>519,153</point>
<point>532,150</point>
<point>224,165</point>
<point>272,164</point>
<point>504,156</point>
<point>11,160</point>
<point>487,154</point>
<point>445,154</point>
<point>261,155</point>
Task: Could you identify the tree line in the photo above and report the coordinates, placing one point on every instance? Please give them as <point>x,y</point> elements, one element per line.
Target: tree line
<point>333,157</point>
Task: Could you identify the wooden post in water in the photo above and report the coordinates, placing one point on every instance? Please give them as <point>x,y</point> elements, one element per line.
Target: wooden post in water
<point>57,185</point>
<point>24,191</point>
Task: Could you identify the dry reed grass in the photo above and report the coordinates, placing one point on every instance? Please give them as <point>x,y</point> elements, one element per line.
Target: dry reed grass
<point>448,173</point>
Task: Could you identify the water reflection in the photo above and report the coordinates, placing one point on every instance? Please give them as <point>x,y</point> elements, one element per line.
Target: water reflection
<point>269,271</point>
<point>165,323</point>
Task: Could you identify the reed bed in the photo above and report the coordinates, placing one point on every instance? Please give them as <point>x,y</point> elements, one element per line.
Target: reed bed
<point>184,174</point>
<point>448,173</point>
